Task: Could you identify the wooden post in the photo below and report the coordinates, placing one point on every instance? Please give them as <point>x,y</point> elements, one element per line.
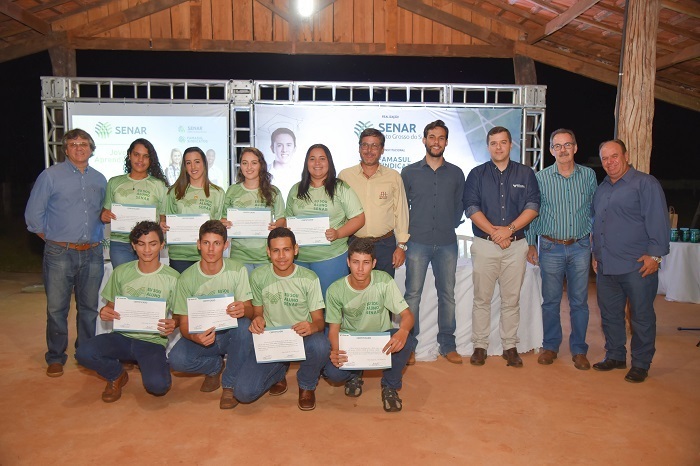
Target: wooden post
<point>635,109</point>
<point>524,68</point>
<point>63,61</point>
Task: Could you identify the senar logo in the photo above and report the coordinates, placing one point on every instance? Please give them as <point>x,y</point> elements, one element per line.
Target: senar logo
<point>103,130</point>
<point>361,126</point>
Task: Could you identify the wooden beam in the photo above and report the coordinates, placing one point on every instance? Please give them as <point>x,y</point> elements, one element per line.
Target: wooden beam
<point>451,21</point>
<point>517,11</point>
<point>549,7</point>
<point>28,47</point>
<point>25,17</point>
<point>391,25</point>
<point>487,14</point>
<point>691,8</point>
<point>281,12</point>
<point>563,19</point>
<point>322,5</point>
<point>671,59</point>
<point>196,25</point>
<point>602,73</point>
<point>69,13</point>
<point>123,17</point>
<point>524,68</point>
<point>63,61</point>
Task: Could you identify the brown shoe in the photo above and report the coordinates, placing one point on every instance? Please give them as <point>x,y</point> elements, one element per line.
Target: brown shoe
<point>411,359</point>
<point>453,357</point>
<point>113,390</point>
<point>55,369</point>
<point>581,362</point>
<point>227,401</point>
<point>511,355</point>
<point>212,382</point>
<point>307,399</point>
<point>478,357</point>
<point>280,388</point>
<point>547,357</point>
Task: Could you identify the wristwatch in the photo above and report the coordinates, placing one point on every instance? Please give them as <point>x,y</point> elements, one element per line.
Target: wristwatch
<point>511,227</point>
<point>402,246</point>
<point>657,259</point>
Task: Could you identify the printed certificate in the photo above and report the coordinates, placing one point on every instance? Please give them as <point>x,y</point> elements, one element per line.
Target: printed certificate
<point>310,231</point>
<point>138,314</point>
<point>364,350</point>
<point>205,312</point>
<point>129,215</point>
<point>249,223</point>
<point>278,344</point>
<point>184,229</point>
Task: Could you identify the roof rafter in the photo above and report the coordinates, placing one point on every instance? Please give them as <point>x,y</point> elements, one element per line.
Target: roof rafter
<point>563,19</point>
<point>25,17</point>
<point>686,54</point>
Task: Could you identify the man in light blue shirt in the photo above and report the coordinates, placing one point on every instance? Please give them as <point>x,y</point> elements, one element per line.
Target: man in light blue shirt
<point>563,227</point>
<point>64,210</point>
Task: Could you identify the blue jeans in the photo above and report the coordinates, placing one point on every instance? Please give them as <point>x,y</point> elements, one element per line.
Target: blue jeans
<point>444,263</point>
<point>191,357</point>
<point>121,253</point>
<point>613,292</point>
<point>63,270</point>
<point>329,270</point>
<point>391,378</point>
<point>181,266</point>
<point>318,351</point>
<point>103,354</point>
<point>384,253</point>
<point>556,263</point>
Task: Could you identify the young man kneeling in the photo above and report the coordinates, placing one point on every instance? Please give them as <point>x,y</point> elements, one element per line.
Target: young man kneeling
<point>142,278</point>
<point>358,303</point>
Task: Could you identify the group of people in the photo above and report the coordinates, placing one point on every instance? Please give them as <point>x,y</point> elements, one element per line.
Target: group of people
<point>379,220</point>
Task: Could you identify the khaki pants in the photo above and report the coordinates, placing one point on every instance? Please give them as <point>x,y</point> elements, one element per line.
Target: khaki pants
<point>507,266</point>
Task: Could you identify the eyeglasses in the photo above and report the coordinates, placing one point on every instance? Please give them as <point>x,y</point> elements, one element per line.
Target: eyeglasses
<point>75,145</point>
<point>568,145</point>
<point>366,146</point>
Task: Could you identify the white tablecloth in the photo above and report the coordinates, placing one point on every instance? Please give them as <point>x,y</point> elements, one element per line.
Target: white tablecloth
<point>679,275</point>
<point>530,331</point>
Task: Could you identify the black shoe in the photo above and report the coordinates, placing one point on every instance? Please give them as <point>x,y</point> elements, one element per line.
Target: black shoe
<point>353,387</point>
<point>390,400</point>
<point>636,375</point>
<point>609,364</point>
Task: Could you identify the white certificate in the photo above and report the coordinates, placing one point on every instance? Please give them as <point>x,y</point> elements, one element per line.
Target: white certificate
<point>138,314</point>
<point>364,350</point>
<point>310,231</point>
<point>129,215</point>
<point>278,344</point>
<point>205,312</point>
<point>249,223</point>
<point>184,229</point>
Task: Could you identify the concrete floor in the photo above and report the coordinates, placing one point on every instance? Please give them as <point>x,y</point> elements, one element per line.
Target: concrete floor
<point>491,415</point>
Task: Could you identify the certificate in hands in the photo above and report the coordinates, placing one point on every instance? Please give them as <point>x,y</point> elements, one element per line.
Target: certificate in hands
<point>205,312</point>
<point>184,229</point>
<point>310,231</point>
<point>279,344</point>
<point>129,215</point>
<point>364,350</point>
<point>249,223</point>
<point>138,314</point>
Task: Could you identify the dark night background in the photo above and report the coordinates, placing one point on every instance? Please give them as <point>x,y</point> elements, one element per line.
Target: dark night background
<point>581,104</point>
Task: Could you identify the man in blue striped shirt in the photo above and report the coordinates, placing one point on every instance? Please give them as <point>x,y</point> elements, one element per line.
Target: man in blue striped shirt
<point>563,227</point>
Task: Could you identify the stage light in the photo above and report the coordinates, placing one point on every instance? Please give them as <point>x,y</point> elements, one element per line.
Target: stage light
<point>305,7</point>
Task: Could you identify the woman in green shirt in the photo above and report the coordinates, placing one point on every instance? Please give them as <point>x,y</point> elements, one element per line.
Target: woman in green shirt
<point>191,194</point>
<point>144,184</point>
<point>253,190</point>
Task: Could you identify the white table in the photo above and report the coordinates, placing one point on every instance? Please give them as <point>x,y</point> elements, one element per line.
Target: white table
<point>679,275</point>
<point>530,331</point>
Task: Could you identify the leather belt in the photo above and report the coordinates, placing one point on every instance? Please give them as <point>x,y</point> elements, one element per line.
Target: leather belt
<point>515,237</point>
<point>76,246</point>
<point>565,242</point>
<point>374,239</point>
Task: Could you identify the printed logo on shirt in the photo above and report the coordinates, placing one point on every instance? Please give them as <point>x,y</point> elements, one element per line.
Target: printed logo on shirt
<point>272,298</point>
<point>516,185</point>
<point>383,195</point>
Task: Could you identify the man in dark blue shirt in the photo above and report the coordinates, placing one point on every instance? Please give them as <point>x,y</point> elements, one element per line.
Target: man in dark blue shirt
<point>630,234</point>
<point>501,197</point>
<point>433,190</point>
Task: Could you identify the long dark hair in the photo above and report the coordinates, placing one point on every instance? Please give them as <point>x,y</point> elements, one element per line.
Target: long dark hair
<point>183,181</point>
<point>265,190</point>
<point>329,183</point>
<point>154,168</point>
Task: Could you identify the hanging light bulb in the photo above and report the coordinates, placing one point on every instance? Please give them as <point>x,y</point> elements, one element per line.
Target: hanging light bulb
<point>305,7</point>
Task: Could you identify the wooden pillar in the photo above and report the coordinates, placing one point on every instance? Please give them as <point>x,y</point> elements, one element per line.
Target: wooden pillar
<point>63,61</point>
<point>524,68</point>
<point>391,25</point>
<point>635,94</point>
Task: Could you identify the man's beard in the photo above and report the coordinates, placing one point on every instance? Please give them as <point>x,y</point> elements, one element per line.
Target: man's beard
<point>430,153</point>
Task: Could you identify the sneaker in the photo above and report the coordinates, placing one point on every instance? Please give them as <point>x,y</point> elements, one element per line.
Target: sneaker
<point>113,390</point>
<point>212,382</point>
<point>227,401</point>
<point>353,387</point>
<point>391,400</point>
<point>55,369</point>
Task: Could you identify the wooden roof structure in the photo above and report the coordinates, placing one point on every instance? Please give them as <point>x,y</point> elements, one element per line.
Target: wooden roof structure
<point>581,36</point>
